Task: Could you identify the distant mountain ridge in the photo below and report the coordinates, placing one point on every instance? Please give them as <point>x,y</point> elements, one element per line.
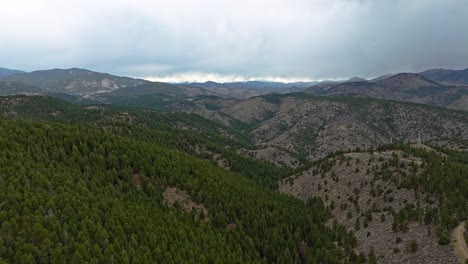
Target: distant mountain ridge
<point>406,87</point>
<point>4,72</point>
<point>160,88</point>
<point>446,75</point>
<point>439,87</point>
<point>243,90</point>
<point>74,81</point>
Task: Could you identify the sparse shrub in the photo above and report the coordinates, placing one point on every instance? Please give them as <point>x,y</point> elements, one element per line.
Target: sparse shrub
<point>349,214</point>
<point>413,246</point>
<point>382,218</point>
<point>444,238</point>
<point>357,225</point>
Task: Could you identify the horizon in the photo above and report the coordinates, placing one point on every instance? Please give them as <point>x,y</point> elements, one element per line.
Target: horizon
<point>225,79</point>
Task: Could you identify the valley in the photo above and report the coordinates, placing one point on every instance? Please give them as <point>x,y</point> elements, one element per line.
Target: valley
<point>295,176</point>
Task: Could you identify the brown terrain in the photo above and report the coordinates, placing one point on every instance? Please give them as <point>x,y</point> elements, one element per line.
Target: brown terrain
<point>407,87</point>
<point>181,199</point>
<point>362,189</point>
<point>314,127</point>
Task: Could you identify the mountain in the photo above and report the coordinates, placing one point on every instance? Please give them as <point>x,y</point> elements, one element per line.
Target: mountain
<point>306,127</point>
<point>4,72</point>
<point>407,82</point>
<point>406,87</point>
<point>356,79</point>
<point>447,76</point>
<point>12,88</point>
<point>163,187</point>
<point>382,77</point>
<point>227,90</point>
<point>244,90</point>
<point>181,91</point>
<point>74,81</point>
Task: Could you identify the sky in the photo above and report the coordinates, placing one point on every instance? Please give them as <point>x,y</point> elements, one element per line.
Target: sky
<point>238,40</point>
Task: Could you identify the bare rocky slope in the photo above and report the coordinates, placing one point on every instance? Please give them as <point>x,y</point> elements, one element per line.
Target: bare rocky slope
<point>363,192</point>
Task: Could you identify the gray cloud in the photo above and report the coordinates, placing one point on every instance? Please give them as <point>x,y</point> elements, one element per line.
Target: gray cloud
<point>300,39</point>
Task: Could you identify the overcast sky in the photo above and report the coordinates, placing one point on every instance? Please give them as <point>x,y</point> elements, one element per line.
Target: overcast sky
<point>235,40</point>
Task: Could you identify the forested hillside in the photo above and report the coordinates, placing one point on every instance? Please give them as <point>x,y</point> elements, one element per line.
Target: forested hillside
<point>74,194</point>
<point>103,183</point>
<point>185,132</point>
<point>311,127</point>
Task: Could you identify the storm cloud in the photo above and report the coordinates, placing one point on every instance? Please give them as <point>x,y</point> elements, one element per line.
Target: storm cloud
<point>235,40</point>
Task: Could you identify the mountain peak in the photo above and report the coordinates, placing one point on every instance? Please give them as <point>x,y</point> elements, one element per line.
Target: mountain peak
<point>356,79</point>
<point>408,81</point>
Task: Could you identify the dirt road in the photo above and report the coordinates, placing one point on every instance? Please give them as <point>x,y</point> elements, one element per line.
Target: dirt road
<point>461,250</point>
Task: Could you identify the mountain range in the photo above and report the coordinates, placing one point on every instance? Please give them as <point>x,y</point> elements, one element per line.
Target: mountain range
<point>125,170</point>
<point>407,87</point>
<point>438,87</point>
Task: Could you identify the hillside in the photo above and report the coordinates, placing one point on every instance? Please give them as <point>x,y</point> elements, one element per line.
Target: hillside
<point>4,72</point>
<point>100,199</point>
<point>211,181</point>
<point>13,88</point>
<point>446,75</point>
<point>244,90</point>
<point>393,200</point>
<point>406,87</point>
<point>74,81</point>
<point>310,127</point>
<point>190,133</point>
<point>179,91</point>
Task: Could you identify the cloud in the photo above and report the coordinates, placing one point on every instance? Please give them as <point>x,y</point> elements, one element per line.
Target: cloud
<point>221,78</point>
<point>308,39</point>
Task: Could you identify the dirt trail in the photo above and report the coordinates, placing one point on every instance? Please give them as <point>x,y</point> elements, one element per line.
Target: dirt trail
<point>461,250</point>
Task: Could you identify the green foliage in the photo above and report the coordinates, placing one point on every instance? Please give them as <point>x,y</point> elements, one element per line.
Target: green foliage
<point>180,131</point>
<point>68,195</point>
<point>444,238</point>
<point>413,246</point>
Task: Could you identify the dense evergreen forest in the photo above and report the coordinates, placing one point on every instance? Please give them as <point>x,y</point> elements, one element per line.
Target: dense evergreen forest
<point>180,131</point>
<point>69,195</point>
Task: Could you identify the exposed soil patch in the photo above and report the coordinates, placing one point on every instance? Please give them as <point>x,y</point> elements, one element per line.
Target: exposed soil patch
<point>178,198</point>
<point>136,180</point>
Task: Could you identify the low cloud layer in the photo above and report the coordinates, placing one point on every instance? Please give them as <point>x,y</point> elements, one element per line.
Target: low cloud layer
<point>235,40</point>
